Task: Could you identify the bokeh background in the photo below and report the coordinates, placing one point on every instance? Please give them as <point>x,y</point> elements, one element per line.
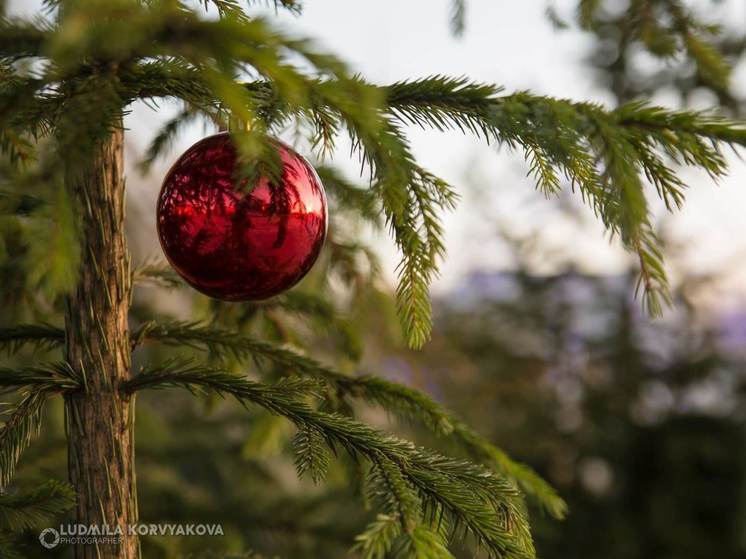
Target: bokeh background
<point>539,342</point>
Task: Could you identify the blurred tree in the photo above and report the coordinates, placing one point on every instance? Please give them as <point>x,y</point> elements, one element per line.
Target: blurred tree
<point>643,46</point>
<point>68,78</point>
<point>638,424</point>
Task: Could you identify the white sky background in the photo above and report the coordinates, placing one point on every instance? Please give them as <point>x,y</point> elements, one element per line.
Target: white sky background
<point>510,43</point>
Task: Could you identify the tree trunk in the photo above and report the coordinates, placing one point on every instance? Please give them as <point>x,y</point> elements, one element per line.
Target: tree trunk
<point>100,418</point>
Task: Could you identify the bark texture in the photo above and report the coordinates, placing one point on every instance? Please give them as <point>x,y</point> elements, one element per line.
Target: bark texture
<point>100,419</point>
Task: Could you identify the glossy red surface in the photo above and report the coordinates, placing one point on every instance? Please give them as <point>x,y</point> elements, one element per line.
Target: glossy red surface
<point>239,244</point>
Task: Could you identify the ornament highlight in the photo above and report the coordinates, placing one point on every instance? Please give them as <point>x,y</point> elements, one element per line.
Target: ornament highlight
<point>234,242</point>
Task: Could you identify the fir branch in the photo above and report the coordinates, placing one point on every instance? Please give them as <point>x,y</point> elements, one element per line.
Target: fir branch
<point>458,17</point>
<point>444,103</point>
<point>411,199</point>
<point>168,76</point>
<point>21,425</point>
<point>476,499</point>
<point>54,377</point>
<point>227,9</point>
<point>311,454</point>
<point>26,114</point>
<point>682,128</point>
<point>169,34</point>
<point>137,32</point>
<point>423,541</point>
<point>41,336</point>
<point>167,50</point>
<point>24,418</point>
<point>23,511</point>
<point>158,273</point>
<point>391,492</point>
<point>580,142</point>
<point>378,539</point>
<point>20,38</point>
<point>412,538</point>
<point>402,401</point>
<point>232,8</point>
<point>186,375</point>
<point>570,138</point>
<point>293,6</point>
<point>413,405</point>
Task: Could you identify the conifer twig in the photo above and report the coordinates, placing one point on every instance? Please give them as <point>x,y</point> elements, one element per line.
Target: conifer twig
<point>473,497</point>
<point>398,399</point>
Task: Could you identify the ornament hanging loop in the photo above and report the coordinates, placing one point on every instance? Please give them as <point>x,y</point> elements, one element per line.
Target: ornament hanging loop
<point>243,119</point>
<point>236,123</point>
<point>228,121</point>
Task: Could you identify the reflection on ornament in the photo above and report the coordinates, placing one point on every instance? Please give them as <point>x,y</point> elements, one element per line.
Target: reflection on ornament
<point>234,242</point>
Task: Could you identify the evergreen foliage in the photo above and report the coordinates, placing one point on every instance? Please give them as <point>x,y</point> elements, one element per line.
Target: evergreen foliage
<point>23,511</point>
<point>670,31</point>
<point>668,464</point>
<point>421,484</point>
<point>68,77</point>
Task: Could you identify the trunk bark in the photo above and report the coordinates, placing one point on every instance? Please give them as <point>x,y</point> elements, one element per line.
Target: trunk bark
<point>100,418</point>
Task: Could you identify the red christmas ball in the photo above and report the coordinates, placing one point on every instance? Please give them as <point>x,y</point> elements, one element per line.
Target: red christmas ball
<point>234,242</point>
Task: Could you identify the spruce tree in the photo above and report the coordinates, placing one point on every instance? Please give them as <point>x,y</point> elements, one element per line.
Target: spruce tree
<point>69,77</point>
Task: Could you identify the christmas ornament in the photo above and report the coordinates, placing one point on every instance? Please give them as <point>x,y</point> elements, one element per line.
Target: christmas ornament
<point>234,242</point>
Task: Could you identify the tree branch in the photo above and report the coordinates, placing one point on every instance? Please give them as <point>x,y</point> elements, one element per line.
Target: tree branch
<point>398,399</point>
<point>486,505</point>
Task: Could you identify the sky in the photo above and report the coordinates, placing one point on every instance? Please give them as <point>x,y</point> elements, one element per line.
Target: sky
<point>514,45</point>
